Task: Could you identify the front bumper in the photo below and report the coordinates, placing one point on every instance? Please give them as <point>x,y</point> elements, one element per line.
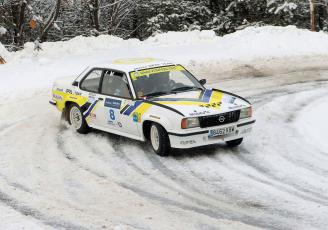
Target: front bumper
<point>200,137</point>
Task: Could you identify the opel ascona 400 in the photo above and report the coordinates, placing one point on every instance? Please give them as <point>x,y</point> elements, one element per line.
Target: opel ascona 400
<point>148,99</point>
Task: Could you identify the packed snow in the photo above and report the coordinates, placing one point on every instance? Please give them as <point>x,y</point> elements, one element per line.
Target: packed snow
<point>54,178</point>
<point>313,122</point>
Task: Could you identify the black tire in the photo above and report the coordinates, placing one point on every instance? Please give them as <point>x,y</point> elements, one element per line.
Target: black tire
<point>83,128</point>
<point>164,146</point>
<point>235,143</point>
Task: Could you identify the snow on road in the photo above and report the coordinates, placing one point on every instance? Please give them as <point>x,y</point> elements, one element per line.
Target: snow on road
<point>54,178</point>
<point>312,121</point>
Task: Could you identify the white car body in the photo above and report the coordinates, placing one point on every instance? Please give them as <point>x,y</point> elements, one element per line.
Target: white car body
<point>129,117</point>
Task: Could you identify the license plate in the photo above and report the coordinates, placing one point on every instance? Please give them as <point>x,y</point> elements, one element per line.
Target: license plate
<point>221,132</point>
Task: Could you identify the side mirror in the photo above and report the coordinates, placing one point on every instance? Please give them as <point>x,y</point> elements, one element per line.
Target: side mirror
<point>202,82</point>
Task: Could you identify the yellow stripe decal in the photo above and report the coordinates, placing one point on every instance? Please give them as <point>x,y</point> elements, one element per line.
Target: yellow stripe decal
<point>139,73</point>
<point>216,99</point>
<point>61,98</point>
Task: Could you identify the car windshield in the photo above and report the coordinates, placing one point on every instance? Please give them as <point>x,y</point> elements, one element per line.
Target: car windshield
<point>163,80</point>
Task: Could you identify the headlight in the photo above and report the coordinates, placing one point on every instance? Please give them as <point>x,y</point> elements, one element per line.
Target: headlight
<point>188,123</point>
<point>246,113</point>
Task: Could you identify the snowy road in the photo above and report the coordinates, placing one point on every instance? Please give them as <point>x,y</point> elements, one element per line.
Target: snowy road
<point>51,177</point>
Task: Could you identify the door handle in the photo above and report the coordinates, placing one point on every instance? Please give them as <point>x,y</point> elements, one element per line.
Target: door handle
<point>100,99</point>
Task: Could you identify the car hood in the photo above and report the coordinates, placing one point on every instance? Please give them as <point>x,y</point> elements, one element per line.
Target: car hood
<point>202,102</point>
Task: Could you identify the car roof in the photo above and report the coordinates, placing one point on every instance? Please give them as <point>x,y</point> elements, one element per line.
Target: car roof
<point>132,64</point>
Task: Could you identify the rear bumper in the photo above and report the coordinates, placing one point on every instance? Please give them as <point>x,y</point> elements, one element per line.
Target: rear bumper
<point>201,137</point>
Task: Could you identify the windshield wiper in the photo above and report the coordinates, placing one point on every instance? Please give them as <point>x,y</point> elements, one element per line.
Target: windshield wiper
<point>154,94</point>
<point>186,88</point>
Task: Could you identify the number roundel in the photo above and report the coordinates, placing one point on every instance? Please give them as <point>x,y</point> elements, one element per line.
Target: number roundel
<point>112,114</point>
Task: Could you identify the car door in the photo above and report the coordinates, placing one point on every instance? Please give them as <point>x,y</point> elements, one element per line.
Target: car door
<point>90,87</point>
<point>117,98</point>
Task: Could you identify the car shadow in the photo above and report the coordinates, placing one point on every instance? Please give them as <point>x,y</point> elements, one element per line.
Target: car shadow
<point>208,151</point>
<point>178,154</point>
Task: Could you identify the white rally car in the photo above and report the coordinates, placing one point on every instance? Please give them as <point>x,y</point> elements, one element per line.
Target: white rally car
<point>149,99</point>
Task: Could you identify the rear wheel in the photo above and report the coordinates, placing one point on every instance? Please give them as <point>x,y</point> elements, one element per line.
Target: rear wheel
<point>159,140</point>
<point>235,143</point>
<point>76,119</point>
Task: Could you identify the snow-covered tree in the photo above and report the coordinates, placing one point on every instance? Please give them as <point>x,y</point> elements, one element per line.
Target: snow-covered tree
<point>300,12</point>
<point>52,20</point>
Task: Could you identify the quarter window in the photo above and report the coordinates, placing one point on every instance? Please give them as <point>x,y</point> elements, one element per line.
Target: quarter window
<point>115,84</point>
<point>92,81</point>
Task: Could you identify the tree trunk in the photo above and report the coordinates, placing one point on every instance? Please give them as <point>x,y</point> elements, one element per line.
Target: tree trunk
<point>18,13</point>
<point>53,16</point>
<point>95,12</point>
<point>313,15</point>
<point>321,16</point>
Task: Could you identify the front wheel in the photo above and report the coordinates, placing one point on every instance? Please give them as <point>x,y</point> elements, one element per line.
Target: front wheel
<point>159,140</point>
<point>235,143</point>
<point>76,119</point>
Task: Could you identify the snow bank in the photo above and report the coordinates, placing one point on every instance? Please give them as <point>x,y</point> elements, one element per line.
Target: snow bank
<point>268,41</point>
<point>32,70</point>
<point>182,38</point>
<point>273,41</point>
<point>77,46</point>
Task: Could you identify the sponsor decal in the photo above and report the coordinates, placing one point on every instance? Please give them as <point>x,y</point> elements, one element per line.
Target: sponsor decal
<point>57,97</point>
<point>136,117</point>
<point>212,105</point>
<point>60,89</point>
<point>119,124</point>
<point>195,113</point>
<point>113,103</point>
<point>230,100</point>
<point>77,93</point>
<point>189,142</point>
<point>93,116</point>
<point>69,91</point>
<point>139,73</point>
<point>92,97</point>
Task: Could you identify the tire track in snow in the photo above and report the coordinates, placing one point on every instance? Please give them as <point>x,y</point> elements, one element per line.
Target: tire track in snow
<point>57,223</point>
<point>171,181</point>
<point>24,209</point>
<point>306,165</point>
<point>203,208</point>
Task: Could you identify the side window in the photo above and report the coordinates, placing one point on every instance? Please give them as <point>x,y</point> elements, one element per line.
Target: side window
<point>92,81</point>
<point>115,84</point>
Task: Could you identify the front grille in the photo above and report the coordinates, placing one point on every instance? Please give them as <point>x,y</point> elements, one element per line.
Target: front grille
<point>219,119</point>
